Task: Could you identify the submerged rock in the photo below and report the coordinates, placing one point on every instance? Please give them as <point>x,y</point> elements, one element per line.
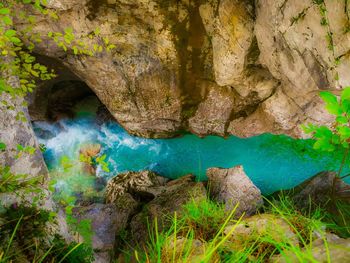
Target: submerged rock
<point>87,153</point>
<point>232,186</point>
<point>90,150</point>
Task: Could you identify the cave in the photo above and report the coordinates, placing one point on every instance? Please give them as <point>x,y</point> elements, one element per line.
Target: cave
<point>56,99</point>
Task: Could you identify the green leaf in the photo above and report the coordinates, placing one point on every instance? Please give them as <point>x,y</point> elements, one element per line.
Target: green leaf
<point>345,95</point>
<point>331,101</point>
<point>7,20</point>
<point>334,109</point>
<point>345,105</point>
<point>2,146</point>
<point>309,128</point>
<point>344,132</point>
<point>10,33</point>
<point>328,97</point>
<point>15,40</point>
<point>20,147</point>
<point>4,11</point>
<point>342,119</point>
<point>323,132</point>
<point>68,30</point>
<point>324,145</point>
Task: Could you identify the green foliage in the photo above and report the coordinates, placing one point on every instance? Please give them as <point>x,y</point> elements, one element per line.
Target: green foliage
<point>94,161</point>
<point>12,183</point>
<point>205,216</point>
<point>2,146</point>
<point>180,243</point>
<point>17,45</point>
<point>24,236</point>
<point>66,163</point>
<point>101,161</point>
<point>337,136</point>
<point>15,57</point>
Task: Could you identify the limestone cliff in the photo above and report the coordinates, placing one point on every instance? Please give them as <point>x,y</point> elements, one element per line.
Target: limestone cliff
<point>207,66</point>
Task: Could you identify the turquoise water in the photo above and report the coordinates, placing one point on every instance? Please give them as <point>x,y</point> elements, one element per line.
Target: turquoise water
<point>272,162</point>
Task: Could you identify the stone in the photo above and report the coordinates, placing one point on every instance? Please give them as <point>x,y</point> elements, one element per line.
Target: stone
<point>105,224</point>
<point>16,129</point>
<point>190,250</point>
<point>171,199</point>
<point>231,187</point>
<point>214,112</point>
<point>337,250</point>
<point>247,232</point>
<point>137,184</point>
<point>318,190</point>
<point>232,33</point>
<point>90,150</point>
<point>87,153</point>
<point>270,59</point>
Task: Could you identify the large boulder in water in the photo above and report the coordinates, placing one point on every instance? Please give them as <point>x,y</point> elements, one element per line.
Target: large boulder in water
<point>232,186</point>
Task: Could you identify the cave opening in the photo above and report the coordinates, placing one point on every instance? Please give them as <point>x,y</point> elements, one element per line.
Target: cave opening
<point>57,98</point>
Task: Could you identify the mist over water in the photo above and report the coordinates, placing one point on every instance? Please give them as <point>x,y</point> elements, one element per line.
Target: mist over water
<point>272,162</point>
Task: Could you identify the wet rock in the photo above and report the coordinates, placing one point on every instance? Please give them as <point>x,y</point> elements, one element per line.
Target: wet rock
<point>173,196</point>
<point>231,187</point>
<point>105,223</point>
<point>103,115</point>
<point>141,185</point>
<point>87,153</point>
<point>90,150</point>
<point>259,227</point>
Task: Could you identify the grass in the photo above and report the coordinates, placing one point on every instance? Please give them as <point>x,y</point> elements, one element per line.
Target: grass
<point>24,238</point>
<point>206,232</point>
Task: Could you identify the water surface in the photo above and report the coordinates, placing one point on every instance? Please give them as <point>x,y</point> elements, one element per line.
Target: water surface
<point>272,162</point>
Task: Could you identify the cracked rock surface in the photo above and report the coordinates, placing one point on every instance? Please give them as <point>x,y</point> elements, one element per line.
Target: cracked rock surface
<point>210,67</point>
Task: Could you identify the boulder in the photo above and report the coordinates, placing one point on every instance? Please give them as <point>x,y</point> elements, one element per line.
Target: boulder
<point>140,185</point>
<point>335,250</point>
<point>171,199</point>
<point>231,187</point>
<point>268,226</point>
<point>188,250</point>
<point>87,153</point>
<point>318,190</point>
<point>105,223</point>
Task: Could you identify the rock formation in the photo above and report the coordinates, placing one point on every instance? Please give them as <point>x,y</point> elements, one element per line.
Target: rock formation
<point>209,67</point>
<point>234,188</point>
